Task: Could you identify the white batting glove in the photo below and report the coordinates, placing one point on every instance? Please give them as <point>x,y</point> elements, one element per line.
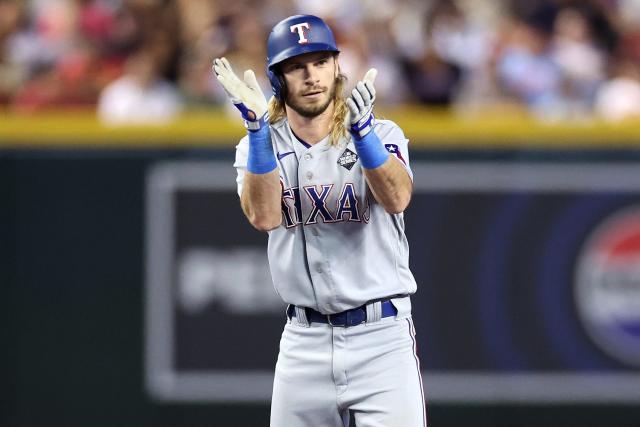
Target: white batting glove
<point>245,95</point>
<point>360,105</point>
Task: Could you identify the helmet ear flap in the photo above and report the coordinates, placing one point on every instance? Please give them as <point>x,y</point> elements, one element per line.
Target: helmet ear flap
<point>277,84</point>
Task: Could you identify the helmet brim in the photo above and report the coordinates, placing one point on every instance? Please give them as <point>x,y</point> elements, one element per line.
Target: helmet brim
<point>300,50</point>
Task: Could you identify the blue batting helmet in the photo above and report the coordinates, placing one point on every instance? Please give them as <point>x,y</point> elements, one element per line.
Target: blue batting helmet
<point>292,37</point>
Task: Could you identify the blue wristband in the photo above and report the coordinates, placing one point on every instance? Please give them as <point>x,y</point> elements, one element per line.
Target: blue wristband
<point>371,151</point>
<point>261,158</point>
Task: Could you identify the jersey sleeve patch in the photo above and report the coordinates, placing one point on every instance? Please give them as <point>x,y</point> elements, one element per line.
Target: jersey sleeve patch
<point>394,149</point>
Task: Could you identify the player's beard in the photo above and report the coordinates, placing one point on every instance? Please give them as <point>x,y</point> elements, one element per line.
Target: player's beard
<point>312,110</point>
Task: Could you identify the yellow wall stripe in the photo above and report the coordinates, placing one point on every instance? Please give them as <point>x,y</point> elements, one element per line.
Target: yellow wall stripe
<point>217,128</point>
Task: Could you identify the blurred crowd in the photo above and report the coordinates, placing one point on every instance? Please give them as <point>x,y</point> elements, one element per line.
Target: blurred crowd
<point>145,61</point>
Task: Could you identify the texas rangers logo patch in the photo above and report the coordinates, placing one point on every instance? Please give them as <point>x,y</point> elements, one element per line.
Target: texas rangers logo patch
<point>394,149</point>
<point>348,159</point>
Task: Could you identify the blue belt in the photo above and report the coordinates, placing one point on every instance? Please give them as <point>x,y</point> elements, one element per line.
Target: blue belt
<point>352,317</point>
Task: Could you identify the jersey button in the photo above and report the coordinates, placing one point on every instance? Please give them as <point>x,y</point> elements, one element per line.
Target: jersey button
<point>319,268</point>
<point>309,175</point>
<point>308,156</point>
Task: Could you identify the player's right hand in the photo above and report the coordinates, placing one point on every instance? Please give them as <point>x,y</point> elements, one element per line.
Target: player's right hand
<point>246,95</point>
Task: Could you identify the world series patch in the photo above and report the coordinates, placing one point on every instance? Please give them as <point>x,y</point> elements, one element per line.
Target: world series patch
<point>348,159</point>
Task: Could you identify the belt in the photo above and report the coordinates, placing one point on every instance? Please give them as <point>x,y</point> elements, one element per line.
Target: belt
<point>352,317</point>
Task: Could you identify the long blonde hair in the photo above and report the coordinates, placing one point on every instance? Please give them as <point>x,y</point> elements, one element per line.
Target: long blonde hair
<point>277,111</point>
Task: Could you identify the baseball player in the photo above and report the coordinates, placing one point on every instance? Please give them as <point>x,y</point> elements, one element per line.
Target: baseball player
<point>329,183</point>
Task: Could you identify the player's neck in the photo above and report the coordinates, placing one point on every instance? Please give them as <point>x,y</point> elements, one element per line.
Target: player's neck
<point>311,129</point>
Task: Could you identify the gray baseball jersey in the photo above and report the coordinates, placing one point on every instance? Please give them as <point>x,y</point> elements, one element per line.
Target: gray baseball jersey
<point>336,247</point>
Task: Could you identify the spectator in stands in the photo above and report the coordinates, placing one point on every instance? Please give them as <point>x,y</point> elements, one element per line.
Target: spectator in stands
<point>141,95</point>
<point>526,69</point>
<point>580,57</point>
<point>619,97</point>
<point>12,75</point>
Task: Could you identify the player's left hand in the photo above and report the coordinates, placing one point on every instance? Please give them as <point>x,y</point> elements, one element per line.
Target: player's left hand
<point>246,95</point>
<point>360,105</point>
